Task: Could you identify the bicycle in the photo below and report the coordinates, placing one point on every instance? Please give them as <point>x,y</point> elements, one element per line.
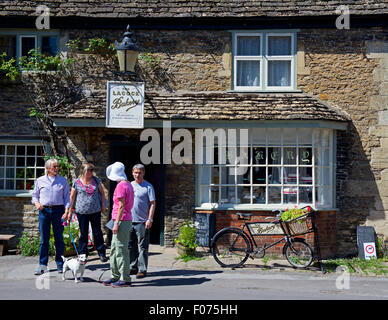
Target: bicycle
<point>231,246</point>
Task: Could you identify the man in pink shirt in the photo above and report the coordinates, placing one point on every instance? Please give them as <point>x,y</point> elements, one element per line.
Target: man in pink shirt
<point>121,214</point>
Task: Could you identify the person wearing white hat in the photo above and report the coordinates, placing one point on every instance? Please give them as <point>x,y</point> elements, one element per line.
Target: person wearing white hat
<point>123,198</point>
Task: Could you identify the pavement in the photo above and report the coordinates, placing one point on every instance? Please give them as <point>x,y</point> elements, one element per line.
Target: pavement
<point>18,267</point>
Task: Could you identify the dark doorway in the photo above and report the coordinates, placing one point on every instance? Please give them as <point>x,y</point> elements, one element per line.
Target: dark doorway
<point>129,154</point>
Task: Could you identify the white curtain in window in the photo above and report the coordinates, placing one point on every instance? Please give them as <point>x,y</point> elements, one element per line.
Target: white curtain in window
<point>248,73</point>
<point>279,73</point>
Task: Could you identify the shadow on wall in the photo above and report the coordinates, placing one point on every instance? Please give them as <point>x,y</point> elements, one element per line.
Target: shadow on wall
<point>356,191</point>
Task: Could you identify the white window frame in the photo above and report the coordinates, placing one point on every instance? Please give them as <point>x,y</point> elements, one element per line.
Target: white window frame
<point>264,58</point>
<point>290,58</point>
<point>26,36</point>
<point>35,167</point>
<point>237,58</point>
<point>315,167</point>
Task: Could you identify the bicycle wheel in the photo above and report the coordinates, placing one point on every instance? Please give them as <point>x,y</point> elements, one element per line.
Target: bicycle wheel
<point>300,255</point>
<point>231,248</point>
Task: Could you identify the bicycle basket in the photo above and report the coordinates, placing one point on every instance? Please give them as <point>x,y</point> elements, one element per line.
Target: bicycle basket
<point>299,225</point>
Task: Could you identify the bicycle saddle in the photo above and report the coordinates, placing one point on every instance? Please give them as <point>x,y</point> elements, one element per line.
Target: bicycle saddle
<point>242,215</point>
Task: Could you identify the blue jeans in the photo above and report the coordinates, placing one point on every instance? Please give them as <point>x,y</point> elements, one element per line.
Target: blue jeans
<point>95,221</point>
<point>139,240</point>
<point>48,217</point>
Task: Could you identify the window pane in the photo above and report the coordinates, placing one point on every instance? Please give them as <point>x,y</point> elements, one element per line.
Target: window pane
<point>10,161</point>
<point>10,173</point>
<point>215,175</point>
<point>322,196</point>
<point>258,194</point>
<point>40,162</point>
<point>274,195</point>
<point>274,155</point>
<point>279,73</point>
<point>290,175</point>
<point>305,137</point>
<point>290,194</point>
<point>258,136</point>
<point>30,161</point>
<point>20,161</point>
<point>39,172</point>
<point>10,150</point>
<point>29,184</point>
<point>248,46</point>
<point>248,73</point>
<point>30,174</point>
<point>289,156</point>
<point>244,194</point>
<point>2,173</point>
<point>227,175</point>
<point>322,156</point>
<point>20,173</point>
<point>19,185</point>
<point>258,175</point>
<point>245,178</point>
<point>9,185</point>
<point>322,176</point>
<point>20,150</point>
<point>8,45</point>
<point>259,155</point>
<point>228,195</point>
<point>31,150</point>
<point>274,136</point>
<point>205,195</point>
<point>289,136</point>
<point>2,162</point>
<point>279,45</point>
<point>274,175</point>
<point>305,195</point>
<point>28,43</point>
<point>2,150</point>
<point>1,184</point>
<point>49,45</point>
<point>214,194</point>
<point>305,156</point>
<point>305,175</point>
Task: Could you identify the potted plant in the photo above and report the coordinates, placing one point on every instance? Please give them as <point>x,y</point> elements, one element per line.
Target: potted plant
<point>187,242</point>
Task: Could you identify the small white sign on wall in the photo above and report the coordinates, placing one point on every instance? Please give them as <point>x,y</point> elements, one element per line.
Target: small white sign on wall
<point>370,250</point>
<point>125,104</point>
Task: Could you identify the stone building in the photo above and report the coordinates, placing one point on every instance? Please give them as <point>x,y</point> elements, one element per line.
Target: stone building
<point>307,81</point>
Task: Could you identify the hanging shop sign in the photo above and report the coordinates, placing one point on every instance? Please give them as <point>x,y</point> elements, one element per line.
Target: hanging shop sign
<point>125,104</point>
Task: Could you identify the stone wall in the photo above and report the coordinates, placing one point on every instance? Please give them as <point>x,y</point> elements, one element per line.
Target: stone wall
<point>347,68</point>
<point>342,68</point>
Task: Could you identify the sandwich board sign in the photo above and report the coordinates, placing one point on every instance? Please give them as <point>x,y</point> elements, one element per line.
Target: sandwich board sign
<point>125,104</point>
<point>369,250</point>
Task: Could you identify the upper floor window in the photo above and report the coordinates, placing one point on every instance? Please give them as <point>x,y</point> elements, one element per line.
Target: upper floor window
<point>18,44</point>
<point>264,61</point>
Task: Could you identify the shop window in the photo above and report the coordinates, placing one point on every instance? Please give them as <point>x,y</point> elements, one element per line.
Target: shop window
<point>285,167</point>
<point>264,61</point>
<point>20,165</point>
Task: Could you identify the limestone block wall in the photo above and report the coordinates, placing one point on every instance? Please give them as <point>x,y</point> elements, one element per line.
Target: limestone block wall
<point>347,68</point>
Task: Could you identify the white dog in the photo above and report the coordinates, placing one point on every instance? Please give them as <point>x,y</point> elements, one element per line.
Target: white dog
<point>76,265</point>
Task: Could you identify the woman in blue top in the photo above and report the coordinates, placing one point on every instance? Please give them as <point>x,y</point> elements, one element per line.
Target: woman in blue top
<point>89,199</point>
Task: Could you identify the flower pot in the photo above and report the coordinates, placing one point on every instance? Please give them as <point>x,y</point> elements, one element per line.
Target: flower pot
<point>182,250</point>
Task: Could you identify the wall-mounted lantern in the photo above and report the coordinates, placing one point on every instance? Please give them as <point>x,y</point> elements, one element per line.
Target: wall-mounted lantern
<point>127,52</point>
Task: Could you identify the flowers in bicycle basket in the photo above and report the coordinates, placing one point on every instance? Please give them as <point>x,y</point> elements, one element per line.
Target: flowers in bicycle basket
<point>290,214</point>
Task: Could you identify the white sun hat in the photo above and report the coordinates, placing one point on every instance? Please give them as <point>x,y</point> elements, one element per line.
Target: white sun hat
<point>115,172</point>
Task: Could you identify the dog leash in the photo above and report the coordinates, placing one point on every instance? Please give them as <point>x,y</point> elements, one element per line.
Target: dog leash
<point>71,236</point>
